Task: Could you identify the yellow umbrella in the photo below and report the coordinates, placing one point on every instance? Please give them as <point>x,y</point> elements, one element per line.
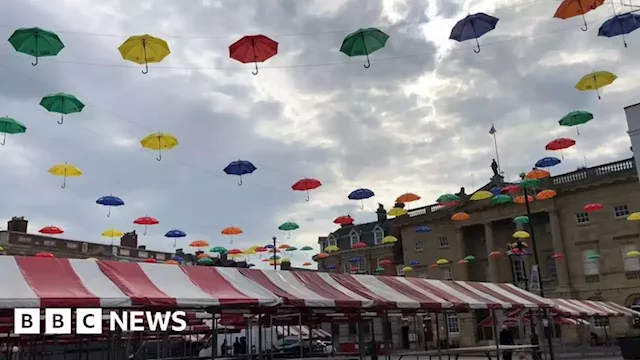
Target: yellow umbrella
<point>65,170</point>
<point>521,235</point>
<point>634,216</point>
<point>389,240</point>
<point>331,248</point>
<point>144,49</point>
<point>249,251</point>
<point>481,195</point>
<point>633,253</point>
<point>397,212</point>
<point>407,269</point>
<point>159,141</point>
<point>442,262</point>
<point>595,81</point>
<point>112,233</point>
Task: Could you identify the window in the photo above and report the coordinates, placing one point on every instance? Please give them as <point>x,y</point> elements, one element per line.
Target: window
<point>332,241</point>
<point>600,322</point>
<point>399,270</point>
<point>418,246</point>
<point>160,257</point>
<point>354,237</point>
<point>49,243</point>
<point>518,270</point>
<point>346,267</point>
<point>85,247</point>
<point>71,245</point>
<point>631,263</point>
<point>143,254</point>
<point>443,242</point>
<point>621,211</point>
<point>582,218</point>
<point>452,323</point>
<point>446,273</point>
<point>591,266</point>
<point>378,235</point>
<point>552,270</point>
<point>125,252</point>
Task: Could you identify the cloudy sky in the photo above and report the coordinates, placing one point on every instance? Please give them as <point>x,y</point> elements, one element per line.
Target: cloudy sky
<point>416,121</point>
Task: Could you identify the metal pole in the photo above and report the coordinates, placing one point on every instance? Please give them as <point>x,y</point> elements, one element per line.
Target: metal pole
<point>275,263</point>
<point>537,262</point>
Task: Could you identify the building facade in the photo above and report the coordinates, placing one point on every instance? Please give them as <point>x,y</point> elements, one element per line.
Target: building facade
<point>590,248</point>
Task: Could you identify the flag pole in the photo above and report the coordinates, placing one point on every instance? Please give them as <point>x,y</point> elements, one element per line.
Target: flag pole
<point>495,144</point>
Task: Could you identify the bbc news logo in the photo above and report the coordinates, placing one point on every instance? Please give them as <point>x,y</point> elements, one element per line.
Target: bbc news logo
<point>90,321</point>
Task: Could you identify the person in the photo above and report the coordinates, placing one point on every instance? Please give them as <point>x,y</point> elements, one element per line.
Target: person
<point>224,348</point>
<point>243,345</point>
<point>236,347</point>
<point>506,338</point>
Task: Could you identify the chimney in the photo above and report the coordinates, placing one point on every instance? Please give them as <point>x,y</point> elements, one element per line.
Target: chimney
<point>129,240</point>
<point>285,265</point>
<point>382,213</point>
<point>18,224</point>
<point>142,247</point>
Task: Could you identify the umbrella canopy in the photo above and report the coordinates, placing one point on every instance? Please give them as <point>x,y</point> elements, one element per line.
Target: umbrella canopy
<point>65,170</point>
<point>171,262</point>
<point>442,262</point>
<point>423,229</point>
<point>473,27</point>
<point>231,230</point>
<point>239,168</point>
<point>10,126</point>
<point>379,269</point>
<point>558,256</point>
<point>548,161</point>
<point>469,258</point>
<point>36,42</point>
<point>307,263</point>
<point>288,226</point>
<point>546,194</point>
<point>343,220</point>
<point>521,235</point>
<point>572,8</point>
<point>460,216</point>
<point>397,212</point>
<point>634,216</point>
<point>522,200</point>
<point>595,81</point>
<point>62,104</point>
<point>389,240</point>
<point>306,248</point>
<point>205,261</point>
<point>501,199</point>
<point>407,269</point>
<point>364,42</point>
<point>44,254</point>
<point>198,243</point>
<point>146,221</point>
<point>511,189</point>
<point>359,245</point>
<point>522,219</point>
<point>159,141</point>
<point>112,233</point>
<point>537,174</point>
<point>306,184</point>
<point>593,207</point>
<point>218,249</point>
<point>176,234</point>
<point>331,248</point>
<point>235,252</point>
<point>575,118</point>
<point>150,260</point>
<point>144,50</point>
<point>407,198</point>
<point>447,198</point>
<point>51,230</point>
<point>322,255</point>
<point>109,201</point>
<point>481,195</point>
<point>361,194</point>
<point>593,257</point>
<point>385,262</point>
<point>253,49</point>
<point>560,144</point>
<point>622,24</point>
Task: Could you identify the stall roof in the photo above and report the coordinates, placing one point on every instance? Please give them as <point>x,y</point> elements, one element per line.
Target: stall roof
<point>56,282</point>
<point>582,308</point>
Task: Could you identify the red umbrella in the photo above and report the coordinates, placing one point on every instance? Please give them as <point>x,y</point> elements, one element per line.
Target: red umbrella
<point>510,189</point>
<point>560,144</point>
<point>344,220</point>
<point>359,245</point>
<point>51,230</point>
<point>150,260</point>
<point>385,262</point>
<point>355,269</point>
<point>44,254</point>
<point>450,204</point>
<point>593,207</point>
<point>234,252</point>
<point>253,49</point>
<point>146,221</point>
<point>558,256</point>
<point>306,184</point>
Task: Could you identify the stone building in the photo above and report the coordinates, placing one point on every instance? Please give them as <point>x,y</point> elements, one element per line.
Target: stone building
<point>560,226</point>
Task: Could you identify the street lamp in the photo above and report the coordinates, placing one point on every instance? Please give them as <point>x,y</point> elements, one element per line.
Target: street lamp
<point>275,263</point>
<point>536,259</point>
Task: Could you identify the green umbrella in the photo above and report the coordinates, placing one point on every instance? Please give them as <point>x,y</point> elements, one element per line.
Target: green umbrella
<point>593,257</point>
<point>62,103</point>
<point>218,249</point>
<point>291,248</point>
<point>364,42</point>
<point>379,269</point>
<point>469,257</point>
<point>522,219</point>
<point>447,198</point>
<point>576,118</point>
<point>501,199</point>
<point>529,183</point>
<point>10,126</point>
<point>274,257</point>
<point>205,261</point>
<point>36,42</point>
<point>306,248</point>
<point>288,226</point>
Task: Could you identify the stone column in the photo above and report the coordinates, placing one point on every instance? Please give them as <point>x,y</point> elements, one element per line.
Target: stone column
<point>460,272</point>
<point>558,247</point>
<point>493,264</point>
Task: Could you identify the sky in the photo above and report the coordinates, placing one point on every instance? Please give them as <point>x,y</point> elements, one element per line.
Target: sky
<point>416,121</point>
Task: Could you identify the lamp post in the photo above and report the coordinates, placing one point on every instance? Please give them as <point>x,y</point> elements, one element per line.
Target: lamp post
<point>536,259</point>
<point>275,263</point>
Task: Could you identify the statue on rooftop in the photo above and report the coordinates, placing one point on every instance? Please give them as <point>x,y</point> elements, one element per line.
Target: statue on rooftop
<point>494,167</point>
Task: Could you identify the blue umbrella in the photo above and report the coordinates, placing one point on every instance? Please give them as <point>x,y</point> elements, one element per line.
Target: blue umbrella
<point>174,234</point>
<point>177,258</point>
<point>110,201</point>
<point>361,194</point>
<point>414,263</point>
<point>620,25</point>
<point>268,246</point>
<point>354,260</point>
<point>496,190</point>
<point>472,27</point>
<point>331,267</point>
<point>547,162</point>
<point>240,167</point>
<point>423,229</point>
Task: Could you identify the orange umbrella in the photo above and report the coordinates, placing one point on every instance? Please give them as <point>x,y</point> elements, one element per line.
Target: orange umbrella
<point>231,231</point>
<point>150,260</point>
<point>538,174</point>
<point>235,252</point>
<point>407,197</point>
<point>520,199</point>
<point>202,255</point>
<point>546,194</point>
<point>283,246</point>
<point>322,255</point>
<point>460,216</point>
<point>44,254</point>
<point>171,262</point>
<point>572,8</point>
<point>199,243</point>
<point>495,253</point>
<point>266,260</point>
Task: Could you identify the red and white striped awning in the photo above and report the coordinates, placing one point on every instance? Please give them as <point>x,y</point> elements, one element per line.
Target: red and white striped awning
<point>56,282</point>
<point>582,308</point>
<point>297,330</point>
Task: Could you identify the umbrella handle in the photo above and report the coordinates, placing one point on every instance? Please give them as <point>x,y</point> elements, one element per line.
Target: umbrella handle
<point>35,63</point>
<point>477,49</point>
<point>305,199</point>
<point>36,55</point>
<point>159,157</point>
<point>146,68</point>
<point>288,235</point>
<point>109,213</point>
<point>61,119</point>
<point>361,204</point>
<point>240,182</point>
<point>255,72</point>
<point>4,139</point>
<point>145,230</point>
<point>64,182</point>
<point>144,52</point>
